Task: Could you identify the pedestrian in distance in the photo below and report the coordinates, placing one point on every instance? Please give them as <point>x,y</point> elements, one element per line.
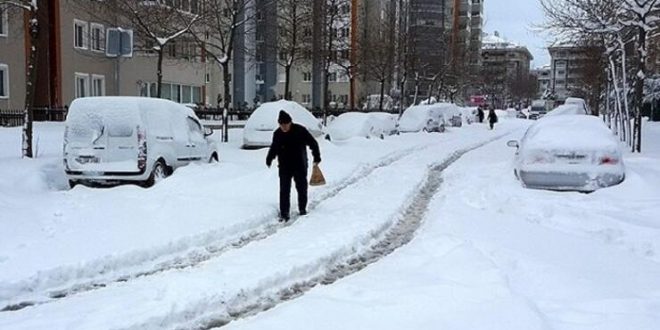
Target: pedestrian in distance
<point>492,118</point>
<point>480,114</point>
<point>289,145</point>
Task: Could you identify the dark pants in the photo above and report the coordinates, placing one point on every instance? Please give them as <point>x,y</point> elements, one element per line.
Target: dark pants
<point>299,176</point>
<point>492,124</point>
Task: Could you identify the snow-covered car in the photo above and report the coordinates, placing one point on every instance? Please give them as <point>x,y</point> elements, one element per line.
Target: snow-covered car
<point>425,118</point>
<point>259,128</point>
<point>131,139</point>
<point>580,103</point>
<point>355,124</point>
<point>567,109</point>
<point>571,152</point>
<point>389,122</point>
<point>538,109</point>
<point>469,115</point>
<point>451,113</point>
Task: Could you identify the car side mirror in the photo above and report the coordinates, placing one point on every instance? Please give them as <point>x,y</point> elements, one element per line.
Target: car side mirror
<point>513,144</point>
<point>208,131</point>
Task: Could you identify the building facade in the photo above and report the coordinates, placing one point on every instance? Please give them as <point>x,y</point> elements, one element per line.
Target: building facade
<point>567,61</point>
<point>72,61</point>
<point>503,62</point>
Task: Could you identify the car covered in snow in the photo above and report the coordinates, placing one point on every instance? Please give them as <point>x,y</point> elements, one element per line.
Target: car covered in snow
<point>388,121</point>
<point>131,139</point>
<point>360,124</point>
<point>261,124</point>
<point>451,113</point>
<point>578,102</point>
<point>427,118</point>
<point>567,109</point>
<point>571,152</point>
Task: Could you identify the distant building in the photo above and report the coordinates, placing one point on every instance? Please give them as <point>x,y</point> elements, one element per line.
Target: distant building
<point>501,62</point>
<point>567,62</point>
<point>544,79</point>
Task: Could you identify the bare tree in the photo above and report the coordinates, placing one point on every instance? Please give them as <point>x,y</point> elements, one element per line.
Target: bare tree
<point>377,51</point>
<point>336,25</point>
<point>31,8</point>
<point>294,34</point>
<point>217,33</point>
<point>619,23</point>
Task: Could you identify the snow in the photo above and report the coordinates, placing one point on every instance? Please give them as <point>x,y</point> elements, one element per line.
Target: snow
<point>489,254</point>
<point>493,255</point>
<point>570,131</point>
<point>566,109</point>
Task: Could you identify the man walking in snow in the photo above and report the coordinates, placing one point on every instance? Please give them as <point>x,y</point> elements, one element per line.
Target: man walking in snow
<point>480,114</point>
<point>290,142</point>
<point>492,117</point>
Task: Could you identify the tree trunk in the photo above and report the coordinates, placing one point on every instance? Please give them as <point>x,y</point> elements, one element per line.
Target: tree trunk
<point>30,83</point>
<point>227,100</point>
<point>639,89</point>
<point>159,72</point>
<point>287,82</point>
<point>382,95</point>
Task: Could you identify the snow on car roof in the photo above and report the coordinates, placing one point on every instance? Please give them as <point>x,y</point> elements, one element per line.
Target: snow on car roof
<point>566,109</point>
<point>265,116</point>
<point>570,131</point>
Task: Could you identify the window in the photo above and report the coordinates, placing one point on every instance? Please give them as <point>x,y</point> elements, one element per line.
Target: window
<point>166,92</point>
<point>186,94</point>
<point>4,21</point>
<point>171,49</point>
<point>97,37</point>
<point>4,81</point>
<point>332,76</point>
<point>307,76</point>
<point>306,98</point>
<point>196,94</point>
<point>98,85</point>
<point>80,34</point>
<point>82,85</point>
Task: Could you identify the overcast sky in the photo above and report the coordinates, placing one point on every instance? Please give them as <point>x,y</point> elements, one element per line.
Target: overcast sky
<point>515,20</point>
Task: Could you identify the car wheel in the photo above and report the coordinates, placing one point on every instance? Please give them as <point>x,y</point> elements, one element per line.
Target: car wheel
<point>72,183</point>
<point>425,130</point>
<point>159,173</point>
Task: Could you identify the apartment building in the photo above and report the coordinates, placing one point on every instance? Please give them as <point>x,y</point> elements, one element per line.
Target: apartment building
<point>567,60</point>
<point>12,59</point>
<point>502,61</point>
<point>543,77</point>
<point>72,61</point>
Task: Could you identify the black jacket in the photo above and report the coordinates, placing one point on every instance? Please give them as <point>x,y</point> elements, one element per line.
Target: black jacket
<point>291,148</point>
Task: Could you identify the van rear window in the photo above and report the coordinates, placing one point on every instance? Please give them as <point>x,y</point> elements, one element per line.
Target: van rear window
<point>119,130</point>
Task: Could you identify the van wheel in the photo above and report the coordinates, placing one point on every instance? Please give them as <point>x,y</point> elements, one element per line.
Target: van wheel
<point>214,158</point>
<point>159,173</point>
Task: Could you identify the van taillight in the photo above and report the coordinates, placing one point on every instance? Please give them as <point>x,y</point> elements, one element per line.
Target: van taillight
<point>142,148</point>
<point>607,160</point>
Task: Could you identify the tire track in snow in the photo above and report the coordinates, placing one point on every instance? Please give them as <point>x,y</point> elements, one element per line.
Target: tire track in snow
<point>198,254</point>
<point>386,239</point>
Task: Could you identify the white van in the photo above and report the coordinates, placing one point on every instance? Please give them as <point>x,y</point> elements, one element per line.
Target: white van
<point>131,139</point>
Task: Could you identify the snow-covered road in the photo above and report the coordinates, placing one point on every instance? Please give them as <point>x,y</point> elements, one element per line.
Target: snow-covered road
<point>202,248</point>
<point>349,215</point>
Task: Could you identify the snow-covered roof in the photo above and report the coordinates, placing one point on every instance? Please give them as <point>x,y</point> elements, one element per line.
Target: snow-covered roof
<point>491,41</point>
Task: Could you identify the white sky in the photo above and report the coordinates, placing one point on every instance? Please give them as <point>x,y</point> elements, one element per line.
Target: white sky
<point>515,20</point>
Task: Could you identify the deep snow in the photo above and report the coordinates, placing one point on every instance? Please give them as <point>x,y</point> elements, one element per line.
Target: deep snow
<point>490,254</point>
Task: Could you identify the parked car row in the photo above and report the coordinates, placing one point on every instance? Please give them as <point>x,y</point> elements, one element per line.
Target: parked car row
<point>112,140</point>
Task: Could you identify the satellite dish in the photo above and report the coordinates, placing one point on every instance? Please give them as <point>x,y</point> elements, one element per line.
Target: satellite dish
<point>119,42</point>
